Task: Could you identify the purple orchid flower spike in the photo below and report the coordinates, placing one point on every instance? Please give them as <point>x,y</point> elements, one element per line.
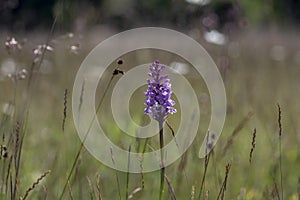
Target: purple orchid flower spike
<point>159,103</point>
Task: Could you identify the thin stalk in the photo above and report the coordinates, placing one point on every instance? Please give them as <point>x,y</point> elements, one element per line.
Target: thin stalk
<point>280,149</point>
<point>30,78</point>
<point>162,169</point>
<point>98,187</point>
<point>117,178</point>
<point>224,185</point>
<point>183,159</point>
<point>85,137</point>
<point>127,174</point>
<point>206,161</point>
<point>280,166</point>
<point>141,163</point>
<point>204,174</point>
<point>19,151</point>
<point>171,190</point>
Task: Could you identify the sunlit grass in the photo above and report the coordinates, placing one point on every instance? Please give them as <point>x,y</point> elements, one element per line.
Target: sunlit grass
<point>254,83</point>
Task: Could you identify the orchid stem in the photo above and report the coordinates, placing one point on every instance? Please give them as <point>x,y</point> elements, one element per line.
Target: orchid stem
<point>162,169</point>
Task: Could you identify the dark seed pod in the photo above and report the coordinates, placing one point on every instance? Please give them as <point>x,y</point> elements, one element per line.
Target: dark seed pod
<point>120,62</point>
<point>118,71</point>
<point>3,151</point>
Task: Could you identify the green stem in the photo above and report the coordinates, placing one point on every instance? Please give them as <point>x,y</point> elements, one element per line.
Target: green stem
<point>127,175</point>
<point>162,170</point>
<point>85,137</point>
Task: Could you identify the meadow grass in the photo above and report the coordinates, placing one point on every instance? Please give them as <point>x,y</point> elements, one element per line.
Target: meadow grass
<point>41,136</point>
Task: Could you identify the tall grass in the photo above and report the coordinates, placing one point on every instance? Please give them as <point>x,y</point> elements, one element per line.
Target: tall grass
<point>30,138</point>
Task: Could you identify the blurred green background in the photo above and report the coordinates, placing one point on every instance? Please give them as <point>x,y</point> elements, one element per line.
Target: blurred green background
<point>18,15</point>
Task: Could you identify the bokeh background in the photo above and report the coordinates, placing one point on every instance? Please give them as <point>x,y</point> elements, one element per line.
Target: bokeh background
<point>255,45</point>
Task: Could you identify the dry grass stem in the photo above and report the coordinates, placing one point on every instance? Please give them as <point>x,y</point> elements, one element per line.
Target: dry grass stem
<point>171,190</point>
<point>252,145</point>
<point>65,109</point>
<point>35,184</point>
